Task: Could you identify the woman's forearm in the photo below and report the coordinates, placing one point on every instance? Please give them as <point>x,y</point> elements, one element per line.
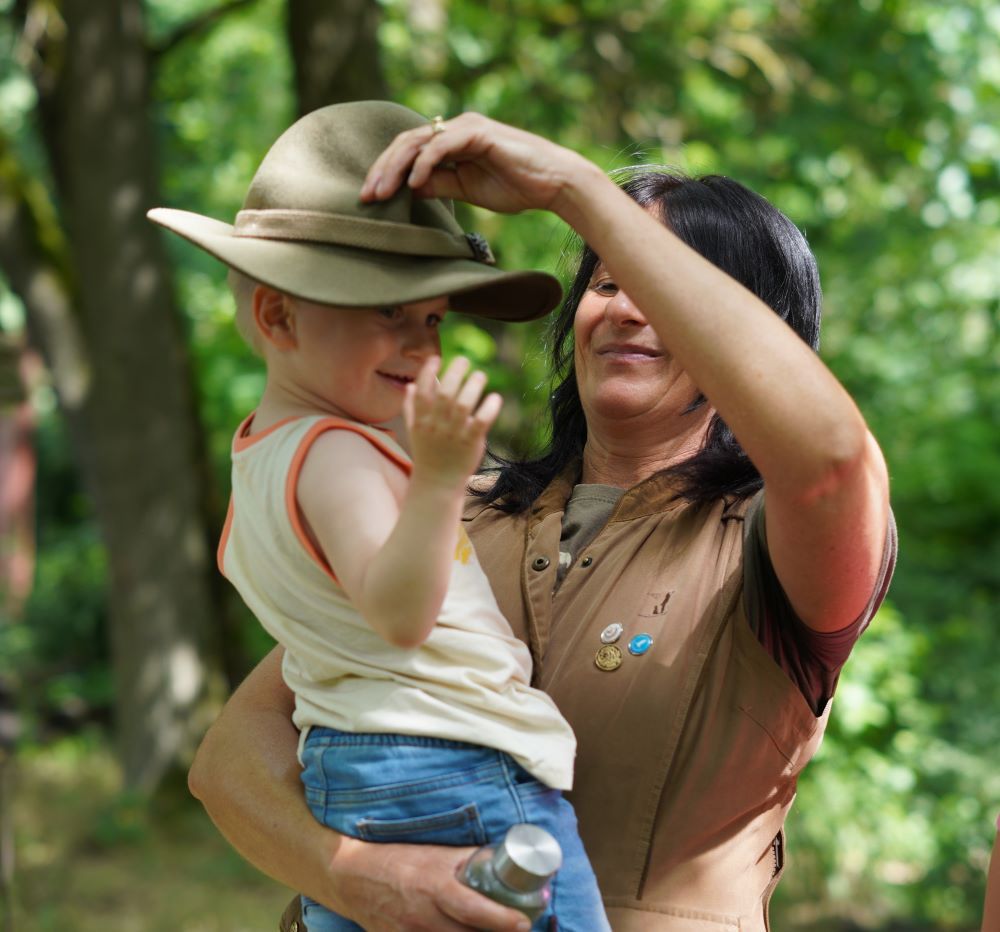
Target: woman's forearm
<point>826,480</point>
<point>246,775</point>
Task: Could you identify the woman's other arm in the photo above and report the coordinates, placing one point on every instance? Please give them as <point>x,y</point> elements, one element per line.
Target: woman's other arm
<point>247,777</point>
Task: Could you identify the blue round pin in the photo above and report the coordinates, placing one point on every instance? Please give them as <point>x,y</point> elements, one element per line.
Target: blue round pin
<point>640,644</point>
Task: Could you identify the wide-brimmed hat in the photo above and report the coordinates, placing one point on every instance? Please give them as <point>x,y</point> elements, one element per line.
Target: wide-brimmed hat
<point>304,231</point>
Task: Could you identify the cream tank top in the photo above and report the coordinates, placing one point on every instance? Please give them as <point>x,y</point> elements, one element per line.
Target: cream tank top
<point>469,681</point>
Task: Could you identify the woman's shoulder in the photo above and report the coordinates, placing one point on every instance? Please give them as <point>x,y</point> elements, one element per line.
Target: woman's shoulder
<point>480,484</point>
<point>477,496</point>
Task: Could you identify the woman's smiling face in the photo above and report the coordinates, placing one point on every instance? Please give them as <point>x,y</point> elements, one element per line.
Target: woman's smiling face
<point>623,370</point>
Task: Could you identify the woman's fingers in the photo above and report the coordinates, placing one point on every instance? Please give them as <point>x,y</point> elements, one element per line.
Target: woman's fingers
<point>393,165</point>
<point>463,138</point>
<point>414,888</point>
<point>386,173</point>
<point>471,910</point>
<point>413,158</point>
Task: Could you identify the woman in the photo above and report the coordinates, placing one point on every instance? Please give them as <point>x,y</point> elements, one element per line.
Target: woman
<point>690,629</point>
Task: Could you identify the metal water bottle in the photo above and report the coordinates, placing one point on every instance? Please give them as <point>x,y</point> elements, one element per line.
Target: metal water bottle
<point>518,871</point>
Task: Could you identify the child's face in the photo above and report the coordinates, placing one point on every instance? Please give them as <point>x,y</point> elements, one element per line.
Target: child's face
<point>358,361</point>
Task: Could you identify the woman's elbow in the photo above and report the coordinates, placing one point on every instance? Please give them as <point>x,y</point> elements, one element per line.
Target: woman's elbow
<point>200,774</point>
<point>851,460</point>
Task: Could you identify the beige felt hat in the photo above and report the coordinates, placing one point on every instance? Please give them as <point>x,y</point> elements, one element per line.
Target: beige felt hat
<point>303,230</point>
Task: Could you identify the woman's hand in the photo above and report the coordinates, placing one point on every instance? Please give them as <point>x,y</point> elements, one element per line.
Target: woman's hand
<point>414,888</point>
<point>477,160</point>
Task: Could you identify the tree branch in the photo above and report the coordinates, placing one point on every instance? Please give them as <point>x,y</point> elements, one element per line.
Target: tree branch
<point>196,25</point>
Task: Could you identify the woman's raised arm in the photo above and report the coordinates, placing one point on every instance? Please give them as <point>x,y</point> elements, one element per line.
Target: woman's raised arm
<point>826,481</point>
<point>246,775</point>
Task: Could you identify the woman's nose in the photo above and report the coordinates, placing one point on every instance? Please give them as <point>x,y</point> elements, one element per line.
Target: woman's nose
<point>622,312</point>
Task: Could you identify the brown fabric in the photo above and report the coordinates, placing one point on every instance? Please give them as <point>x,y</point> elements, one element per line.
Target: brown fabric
<point>688,755</point>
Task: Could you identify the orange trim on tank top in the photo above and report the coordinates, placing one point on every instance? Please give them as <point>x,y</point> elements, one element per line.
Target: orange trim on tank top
<point>220,553</point>
<point>291,483</point>
<point>242,440</point>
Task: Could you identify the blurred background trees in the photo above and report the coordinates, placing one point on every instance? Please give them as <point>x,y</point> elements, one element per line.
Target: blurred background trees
<point>873,124</point>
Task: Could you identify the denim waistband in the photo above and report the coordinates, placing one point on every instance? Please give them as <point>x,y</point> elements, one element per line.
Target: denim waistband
<point>333,736</point>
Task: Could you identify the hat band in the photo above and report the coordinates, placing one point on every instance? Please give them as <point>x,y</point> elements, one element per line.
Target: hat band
<point>341,230</point>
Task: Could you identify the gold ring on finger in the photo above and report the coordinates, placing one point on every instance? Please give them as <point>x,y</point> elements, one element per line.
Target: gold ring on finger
<point>437,125</point>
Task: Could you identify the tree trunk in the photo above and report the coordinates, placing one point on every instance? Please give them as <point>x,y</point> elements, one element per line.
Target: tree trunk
<point>335,51</point>
<point>137,431</point>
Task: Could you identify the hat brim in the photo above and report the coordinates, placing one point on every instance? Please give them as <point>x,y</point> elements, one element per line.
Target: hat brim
<point>350,277</point>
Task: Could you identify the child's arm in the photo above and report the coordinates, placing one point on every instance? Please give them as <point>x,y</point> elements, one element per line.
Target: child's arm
<point>394,560</point>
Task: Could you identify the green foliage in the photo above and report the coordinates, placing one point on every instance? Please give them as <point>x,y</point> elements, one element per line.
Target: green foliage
<point>57,653</point>
<point>89,859</point>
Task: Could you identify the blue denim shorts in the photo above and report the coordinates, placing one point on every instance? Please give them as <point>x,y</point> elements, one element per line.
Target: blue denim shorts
<point>412,789</point>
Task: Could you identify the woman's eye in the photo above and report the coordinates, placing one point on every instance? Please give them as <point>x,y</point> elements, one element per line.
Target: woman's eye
<point>433,320</point>
<point>605,287</point>
<point>390,313</point>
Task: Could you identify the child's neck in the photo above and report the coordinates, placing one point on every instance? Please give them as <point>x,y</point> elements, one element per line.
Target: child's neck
<point>278,403</point>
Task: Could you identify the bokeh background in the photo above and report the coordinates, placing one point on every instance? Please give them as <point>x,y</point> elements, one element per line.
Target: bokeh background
<point>872,123</point>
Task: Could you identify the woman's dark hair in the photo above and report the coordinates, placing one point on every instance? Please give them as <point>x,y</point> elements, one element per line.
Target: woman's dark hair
<point>745,236</point>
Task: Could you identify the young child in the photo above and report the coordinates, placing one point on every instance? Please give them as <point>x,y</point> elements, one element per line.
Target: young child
<point>413,696</point>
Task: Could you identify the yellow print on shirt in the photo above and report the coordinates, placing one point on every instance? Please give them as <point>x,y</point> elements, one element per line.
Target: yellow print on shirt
<point>463,549</point>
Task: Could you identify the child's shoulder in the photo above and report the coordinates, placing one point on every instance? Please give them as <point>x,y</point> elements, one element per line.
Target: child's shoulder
<point>341,442</point>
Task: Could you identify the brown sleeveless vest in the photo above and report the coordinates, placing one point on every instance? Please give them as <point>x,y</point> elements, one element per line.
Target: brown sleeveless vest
<point>689,753</point>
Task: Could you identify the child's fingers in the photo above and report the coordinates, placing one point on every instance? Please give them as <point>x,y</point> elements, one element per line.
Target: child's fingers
<point>409,400</point>
<point>426,383</point>
<point>453,377</point>
<point>471,391</point>
<point>487,412</point>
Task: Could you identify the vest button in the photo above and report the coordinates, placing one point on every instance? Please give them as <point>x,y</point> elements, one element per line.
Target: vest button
<point>586,561</point>
<point>539,563</point>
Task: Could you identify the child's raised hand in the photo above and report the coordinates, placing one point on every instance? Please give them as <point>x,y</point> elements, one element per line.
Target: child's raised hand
<point>448,421</point>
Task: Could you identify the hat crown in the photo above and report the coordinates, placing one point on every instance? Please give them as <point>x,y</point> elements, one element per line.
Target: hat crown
<point>320,162</point>
<point>304,231</point>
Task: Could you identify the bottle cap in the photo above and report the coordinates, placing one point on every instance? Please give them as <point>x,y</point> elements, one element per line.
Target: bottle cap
<point>527,858</point>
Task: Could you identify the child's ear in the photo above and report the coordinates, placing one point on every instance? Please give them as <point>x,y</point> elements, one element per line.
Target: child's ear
<point>274,317</point>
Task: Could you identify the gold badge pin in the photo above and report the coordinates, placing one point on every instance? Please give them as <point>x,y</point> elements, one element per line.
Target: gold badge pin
<point>608,658</point>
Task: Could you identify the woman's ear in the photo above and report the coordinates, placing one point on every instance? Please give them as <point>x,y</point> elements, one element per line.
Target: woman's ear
<point>274,317</point>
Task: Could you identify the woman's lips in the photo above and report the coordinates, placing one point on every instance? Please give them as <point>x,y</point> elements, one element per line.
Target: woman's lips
<point>628,352</point>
